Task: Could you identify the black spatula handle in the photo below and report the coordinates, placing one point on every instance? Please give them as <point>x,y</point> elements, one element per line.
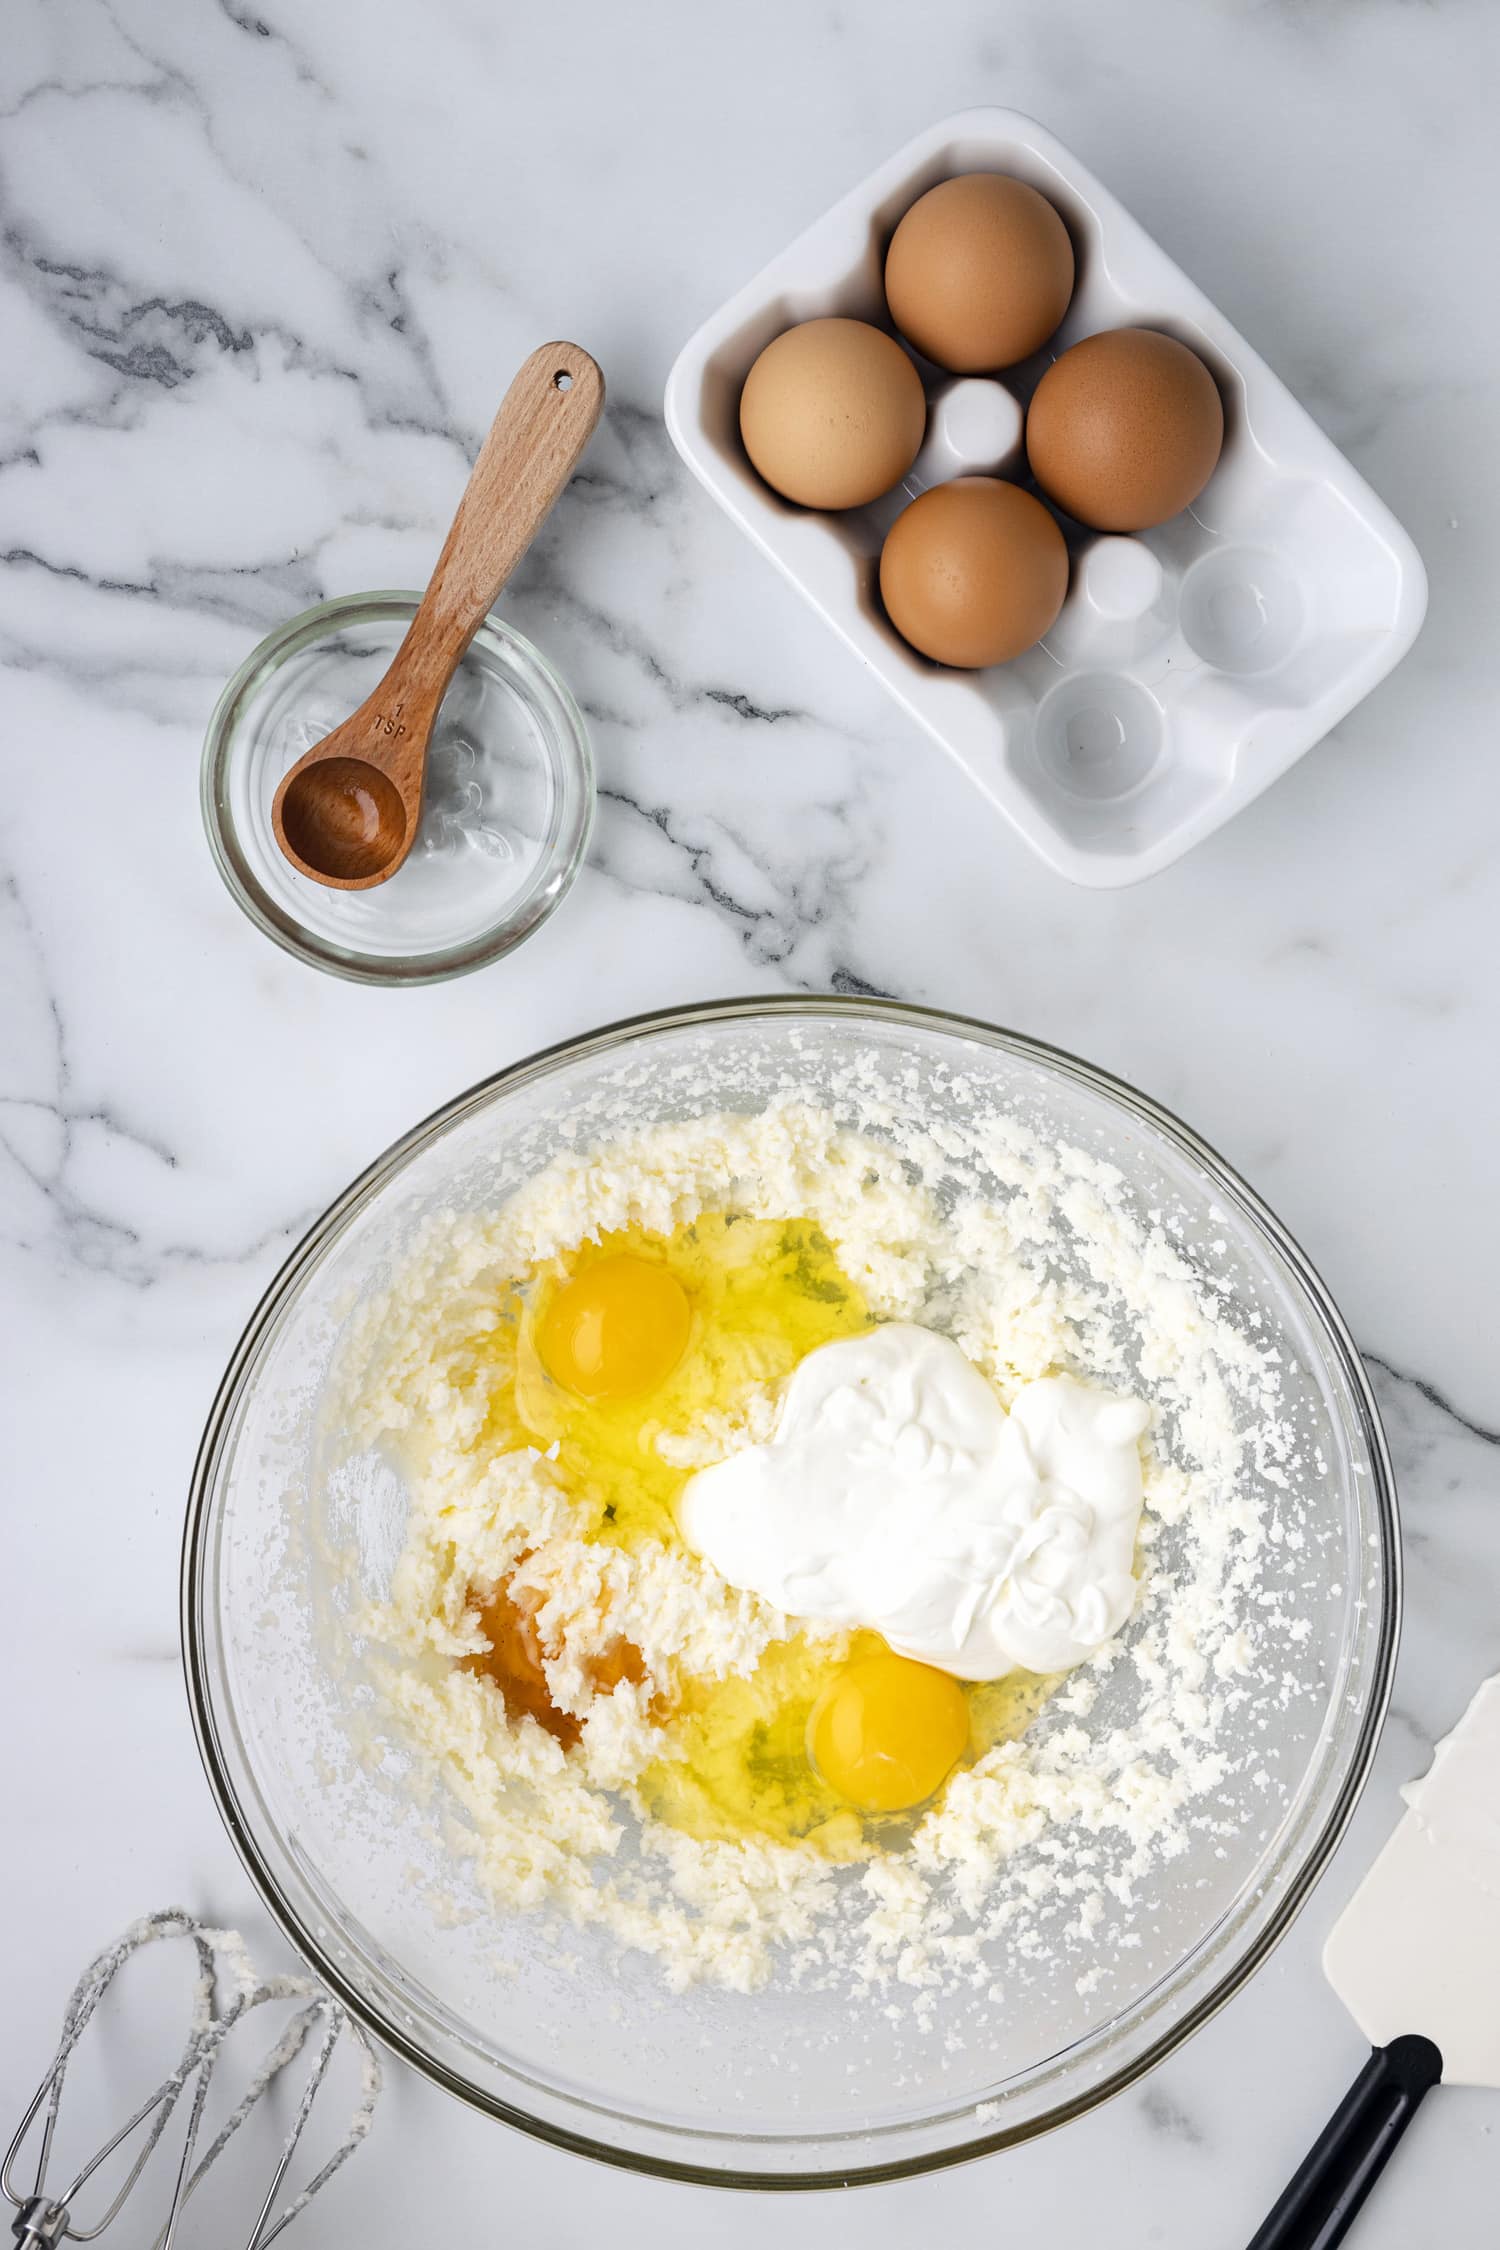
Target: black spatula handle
<point>1350,2153</point>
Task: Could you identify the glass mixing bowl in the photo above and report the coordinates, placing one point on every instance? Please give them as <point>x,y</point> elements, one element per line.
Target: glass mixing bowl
<point>565,2037</point>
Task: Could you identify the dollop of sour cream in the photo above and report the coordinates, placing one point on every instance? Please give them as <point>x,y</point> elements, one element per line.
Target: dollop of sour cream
<point>898,1494</point>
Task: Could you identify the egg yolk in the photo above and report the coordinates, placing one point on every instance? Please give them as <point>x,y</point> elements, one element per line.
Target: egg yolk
<point>616,1329</point>
<point>887,1732</point>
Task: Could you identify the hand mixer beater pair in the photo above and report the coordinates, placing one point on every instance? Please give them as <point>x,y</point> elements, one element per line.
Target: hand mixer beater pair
<point>225,1991</point>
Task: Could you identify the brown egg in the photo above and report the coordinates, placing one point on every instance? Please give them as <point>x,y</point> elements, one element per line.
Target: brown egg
<point>973,572</point>
<point>1125,429</point>
<point>979,273</point>
<point>832,413</point>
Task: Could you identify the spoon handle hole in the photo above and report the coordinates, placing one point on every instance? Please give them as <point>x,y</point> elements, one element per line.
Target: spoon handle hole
<point>562,380</point>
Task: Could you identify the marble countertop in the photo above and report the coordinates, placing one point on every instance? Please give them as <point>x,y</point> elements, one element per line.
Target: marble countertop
<point>266,269</point>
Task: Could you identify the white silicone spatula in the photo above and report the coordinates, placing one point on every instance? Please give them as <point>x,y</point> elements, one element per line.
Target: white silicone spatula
<point>1415,1958</point>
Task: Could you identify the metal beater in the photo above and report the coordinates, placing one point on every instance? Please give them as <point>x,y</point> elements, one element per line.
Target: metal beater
<point>226,1989</point>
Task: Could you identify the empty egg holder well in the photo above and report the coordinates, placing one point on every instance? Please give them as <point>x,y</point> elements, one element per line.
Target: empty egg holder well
<point>1192,664</point>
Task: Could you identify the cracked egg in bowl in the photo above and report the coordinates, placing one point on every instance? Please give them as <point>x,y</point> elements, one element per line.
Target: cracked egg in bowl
<point>791,1591</point>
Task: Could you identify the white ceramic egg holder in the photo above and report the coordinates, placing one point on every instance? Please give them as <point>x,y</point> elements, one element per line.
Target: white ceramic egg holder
<point>1190,666</point>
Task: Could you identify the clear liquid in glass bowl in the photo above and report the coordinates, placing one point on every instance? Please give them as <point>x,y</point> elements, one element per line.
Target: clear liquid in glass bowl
<point>506,811</point>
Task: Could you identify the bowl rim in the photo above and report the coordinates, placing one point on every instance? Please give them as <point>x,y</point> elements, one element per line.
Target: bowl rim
<point>552,878</point>
<point>1384,1625</point>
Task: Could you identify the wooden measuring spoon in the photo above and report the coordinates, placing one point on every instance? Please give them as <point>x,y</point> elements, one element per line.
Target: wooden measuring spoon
<point>347,812</point>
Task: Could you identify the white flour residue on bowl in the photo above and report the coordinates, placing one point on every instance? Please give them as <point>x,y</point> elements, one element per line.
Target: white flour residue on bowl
<point>1033,1259</point>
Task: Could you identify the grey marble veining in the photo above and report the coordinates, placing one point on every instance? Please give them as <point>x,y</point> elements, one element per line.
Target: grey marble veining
<point>264,273</point>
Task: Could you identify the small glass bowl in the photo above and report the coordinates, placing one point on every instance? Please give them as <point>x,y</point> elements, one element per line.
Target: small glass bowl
<point>505,821</point>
